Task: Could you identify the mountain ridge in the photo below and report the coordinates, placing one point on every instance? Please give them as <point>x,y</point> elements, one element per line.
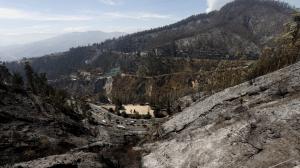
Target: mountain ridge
<point>60,43</point>
<point>197,46</point>
<point>232,14</point>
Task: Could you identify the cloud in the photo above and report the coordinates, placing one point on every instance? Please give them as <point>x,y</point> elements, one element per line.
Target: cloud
<point>76,29</point>
<point>34,29</point>
<point>136,16</point>
<point>16,14</point>
<point>110,2</point>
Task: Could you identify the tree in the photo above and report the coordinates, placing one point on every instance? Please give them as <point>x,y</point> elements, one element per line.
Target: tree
<point>37,83</point>
<point>285,53</point>
<point>41,84</point>
<point>119,105</point>
<point>29,76</point>
<point>142,71</point>
<point>17,81</point>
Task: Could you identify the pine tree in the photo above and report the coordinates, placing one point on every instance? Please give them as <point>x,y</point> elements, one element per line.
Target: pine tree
<point>29,76</point>
<point>17,81</point>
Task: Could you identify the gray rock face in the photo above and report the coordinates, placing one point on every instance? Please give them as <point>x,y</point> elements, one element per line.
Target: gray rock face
<point>30,128</point>
<point>255,124</point>
<point>79,160</point>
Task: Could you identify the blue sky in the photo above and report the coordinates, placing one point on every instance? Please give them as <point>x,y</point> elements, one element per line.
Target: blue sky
<point>30,20</point>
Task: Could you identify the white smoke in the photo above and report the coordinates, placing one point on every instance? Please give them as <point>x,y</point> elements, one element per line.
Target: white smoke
<point>215,4</point>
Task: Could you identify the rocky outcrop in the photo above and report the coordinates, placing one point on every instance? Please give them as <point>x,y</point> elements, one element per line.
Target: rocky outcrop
<point>31,128</point>
<point>72,160</point>
<point>187,101</point>
<point>108,85</point>
<point>255,124</point>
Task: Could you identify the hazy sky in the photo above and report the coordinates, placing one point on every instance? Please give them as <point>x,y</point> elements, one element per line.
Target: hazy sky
<point>28,20</point>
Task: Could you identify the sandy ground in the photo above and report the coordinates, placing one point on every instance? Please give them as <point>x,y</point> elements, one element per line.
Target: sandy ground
<point>130,108</point>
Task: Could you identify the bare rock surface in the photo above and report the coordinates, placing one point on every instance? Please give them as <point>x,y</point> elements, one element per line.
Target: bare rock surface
<point>78,160</point>
<point>255,124</point>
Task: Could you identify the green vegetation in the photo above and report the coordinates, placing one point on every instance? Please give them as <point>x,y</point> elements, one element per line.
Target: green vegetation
<point>114,72</point>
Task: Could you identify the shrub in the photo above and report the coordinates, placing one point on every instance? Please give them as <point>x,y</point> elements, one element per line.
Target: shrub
<point>124,114</point>
<point>111,110</point>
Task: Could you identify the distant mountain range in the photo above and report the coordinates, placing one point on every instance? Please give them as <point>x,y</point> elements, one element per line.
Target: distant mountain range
<point>54,45</point>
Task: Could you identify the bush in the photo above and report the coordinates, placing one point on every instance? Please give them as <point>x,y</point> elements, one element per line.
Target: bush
<point>124,114</point>
<point>158,114</point>
<point>111,110</point>
<point>147,116</point>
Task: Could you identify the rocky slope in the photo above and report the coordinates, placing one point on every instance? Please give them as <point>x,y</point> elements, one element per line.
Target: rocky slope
<point>255,124</point>
<point>33,129</point>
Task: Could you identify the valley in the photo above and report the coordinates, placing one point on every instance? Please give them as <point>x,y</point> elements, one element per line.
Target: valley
<point>215,90</point>
<point>203,53</point>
